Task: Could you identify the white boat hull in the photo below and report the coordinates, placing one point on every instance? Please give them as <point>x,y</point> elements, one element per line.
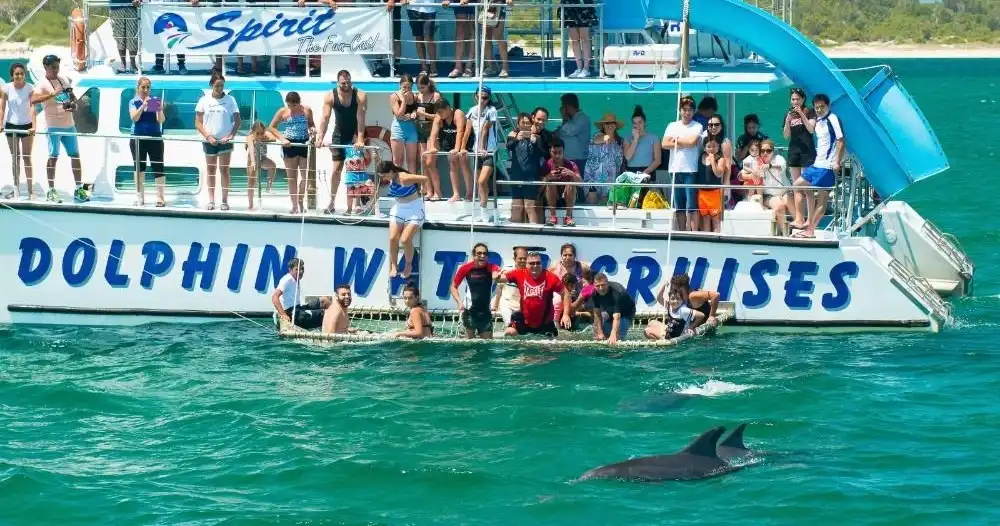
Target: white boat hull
<point>108,265</point>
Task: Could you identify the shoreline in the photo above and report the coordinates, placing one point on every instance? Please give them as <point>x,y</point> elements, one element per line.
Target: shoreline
<point>891,50</point>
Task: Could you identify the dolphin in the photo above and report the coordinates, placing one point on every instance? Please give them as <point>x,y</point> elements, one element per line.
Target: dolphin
<point>697,461</point>
<point>732,448</point>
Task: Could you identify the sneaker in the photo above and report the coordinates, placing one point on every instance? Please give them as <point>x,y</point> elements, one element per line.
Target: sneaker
<point>80,195</point>
<point>584,73</point>
<point>181,69</point>
<point>8,192</point>
<point>574,74</point>
<point>53,196</point>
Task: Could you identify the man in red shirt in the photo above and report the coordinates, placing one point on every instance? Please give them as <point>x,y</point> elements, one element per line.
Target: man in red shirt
<point>479,274</point>
<point>536,285</point>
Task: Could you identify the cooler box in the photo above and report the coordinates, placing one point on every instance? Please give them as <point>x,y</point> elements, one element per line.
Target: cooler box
<point>653,60</point>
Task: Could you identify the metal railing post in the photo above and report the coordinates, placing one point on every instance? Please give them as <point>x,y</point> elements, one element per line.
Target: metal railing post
<point>600,41</point>
<point>562,43</point>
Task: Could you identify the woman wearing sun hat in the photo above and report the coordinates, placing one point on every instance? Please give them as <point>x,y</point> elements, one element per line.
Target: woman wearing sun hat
<point>604,157</point>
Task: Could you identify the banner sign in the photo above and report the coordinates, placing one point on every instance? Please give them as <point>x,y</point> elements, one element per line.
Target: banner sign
<point>177,29</point>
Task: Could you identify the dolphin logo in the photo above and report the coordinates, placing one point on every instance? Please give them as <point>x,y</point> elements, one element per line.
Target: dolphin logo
<point>171,22</point>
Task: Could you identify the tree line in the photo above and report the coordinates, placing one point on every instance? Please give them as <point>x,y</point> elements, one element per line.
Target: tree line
<point>916,21</point>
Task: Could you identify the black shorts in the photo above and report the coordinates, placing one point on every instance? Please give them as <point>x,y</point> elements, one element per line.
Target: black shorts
<point>151,150</point>
<point>308,316</point>
<point>800,159</point>
<point>525,192</point>
<point>421,24</point>
<point>546,329</point>
<point>486,160</point>
<point>16,127</point>
<point>296,149</point>
<point>478,321</point>
<point>342,137</point>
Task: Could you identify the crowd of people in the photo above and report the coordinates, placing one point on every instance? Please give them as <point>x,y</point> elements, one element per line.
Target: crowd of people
<point>530,299</point>
<point>709,172</point>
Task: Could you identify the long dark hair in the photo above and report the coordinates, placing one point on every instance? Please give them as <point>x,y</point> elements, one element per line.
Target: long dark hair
<point>721,136</point>
<point>386,167</point>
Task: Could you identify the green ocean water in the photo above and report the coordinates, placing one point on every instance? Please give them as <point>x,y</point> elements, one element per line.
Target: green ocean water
<point>221,424</point>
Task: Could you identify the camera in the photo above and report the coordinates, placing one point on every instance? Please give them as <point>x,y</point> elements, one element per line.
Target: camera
<point>69,105</point>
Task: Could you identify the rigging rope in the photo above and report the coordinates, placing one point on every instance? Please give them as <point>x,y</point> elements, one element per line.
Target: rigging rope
<point>673,173</point>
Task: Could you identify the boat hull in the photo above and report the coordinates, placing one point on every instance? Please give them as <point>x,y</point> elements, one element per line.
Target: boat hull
<point>99,264</point>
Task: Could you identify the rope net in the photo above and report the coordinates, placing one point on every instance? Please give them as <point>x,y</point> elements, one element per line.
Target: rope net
<point>377,325</point>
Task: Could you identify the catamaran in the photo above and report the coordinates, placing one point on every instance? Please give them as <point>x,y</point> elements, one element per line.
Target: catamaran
<point>877,264</point>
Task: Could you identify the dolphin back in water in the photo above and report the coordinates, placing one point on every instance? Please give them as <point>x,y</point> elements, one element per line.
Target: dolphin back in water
<point>697,461</point>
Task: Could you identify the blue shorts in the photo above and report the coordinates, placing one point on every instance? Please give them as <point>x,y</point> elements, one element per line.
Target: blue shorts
<point>685,199</point>
<point>403,131</point>
<point>819,176</point>
<point>623,325</point>
<point>59,136</point>
<point>212,150</point>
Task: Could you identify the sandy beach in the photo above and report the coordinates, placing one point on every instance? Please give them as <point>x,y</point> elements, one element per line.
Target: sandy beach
<point>897,50</point>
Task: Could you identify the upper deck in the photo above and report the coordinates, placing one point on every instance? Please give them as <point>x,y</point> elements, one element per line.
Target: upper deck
<point>540,60</point>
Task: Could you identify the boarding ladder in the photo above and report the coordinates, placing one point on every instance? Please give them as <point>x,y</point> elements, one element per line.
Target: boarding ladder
<point>950,247</point>
<point>922,289</point>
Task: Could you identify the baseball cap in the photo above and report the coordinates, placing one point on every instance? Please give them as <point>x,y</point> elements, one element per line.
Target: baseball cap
<point>50,60</point>
<point>486,90</point>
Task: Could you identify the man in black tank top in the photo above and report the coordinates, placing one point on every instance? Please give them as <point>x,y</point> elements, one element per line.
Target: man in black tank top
<point>347,105</point>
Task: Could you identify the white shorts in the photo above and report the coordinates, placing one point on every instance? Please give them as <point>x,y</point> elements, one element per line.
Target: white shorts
<point>506,312</point>
<point>408,213</point>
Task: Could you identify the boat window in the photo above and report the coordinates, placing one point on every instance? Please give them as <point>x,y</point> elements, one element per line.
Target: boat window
<point>88,107</point>
<point>180,105</point>
<point>185,179</point>
<point>256,105</point>
<point>178,109</point>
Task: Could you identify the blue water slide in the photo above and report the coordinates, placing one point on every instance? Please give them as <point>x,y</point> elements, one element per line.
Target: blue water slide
<point>884,128</point>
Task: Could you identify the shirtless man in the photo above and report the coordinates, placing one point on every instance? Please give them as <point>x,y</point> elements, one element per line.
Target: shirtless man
<point>339,322</point>
<point>347,105</point>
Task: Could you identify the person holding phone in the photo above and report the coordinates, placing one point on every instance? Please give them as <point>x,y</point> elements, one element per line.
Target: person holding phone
<point>147,117</point>
<point>560,169</point>
<point>799,125</point>
<point>526,154</point>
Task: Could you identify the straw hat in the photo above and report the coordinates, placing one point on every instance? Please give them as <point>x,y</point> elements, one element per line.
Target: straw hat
<point>610,117</point>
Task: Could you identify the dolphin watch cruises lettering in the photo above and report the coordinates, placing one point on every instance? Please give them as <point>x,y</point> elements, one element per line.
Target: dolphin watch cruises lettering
<point>200,266</point>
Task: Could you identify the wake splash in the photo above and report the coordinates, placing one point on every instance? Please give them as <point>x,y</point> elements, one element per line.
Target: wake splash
<point>713,388</point>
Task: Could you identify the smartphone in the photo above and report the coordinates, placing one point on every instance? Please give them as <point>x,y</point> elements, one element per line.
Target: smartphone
<point>153,104</point>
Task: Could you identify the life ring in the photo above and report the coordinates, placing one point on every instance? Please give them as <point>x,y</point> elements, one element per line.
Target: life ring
<point>78,40</point>
<point>378,132</point>
<point>380,137</point>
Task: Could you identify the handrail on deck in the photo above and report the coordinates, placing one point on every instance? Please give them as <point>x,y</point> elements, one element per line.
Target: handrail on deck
<point>550,28</point>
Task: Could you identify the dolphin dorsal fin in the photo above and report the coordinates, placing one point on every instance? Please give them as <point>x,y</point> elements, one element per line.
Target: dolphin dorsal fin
<point>704,445</point>
<point>735,439</point>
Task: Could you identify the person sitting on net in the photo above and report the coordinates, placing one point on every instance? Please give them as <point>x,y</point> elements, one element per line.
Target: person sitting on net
<point>418,322</point>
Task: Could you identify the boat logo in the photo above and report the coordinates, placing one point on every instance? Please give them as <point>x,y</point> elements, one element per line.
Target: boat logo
<point>171,22</point>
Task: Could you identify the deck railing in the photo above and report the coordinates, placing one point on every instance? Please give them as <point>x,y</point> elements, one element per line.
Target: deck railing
<point>545,48</point>
<point>185,180</point>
